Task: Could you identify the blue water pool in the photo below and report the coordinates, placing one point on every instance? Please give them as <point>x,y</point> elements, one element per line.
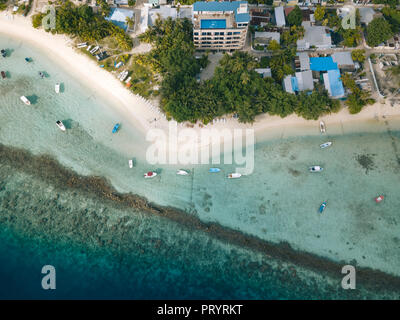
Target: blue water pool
<point>213,24</point>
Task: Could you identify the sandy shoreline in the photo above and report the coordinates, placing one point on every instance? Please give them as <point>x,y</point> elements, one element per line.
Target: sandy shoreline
<point>139,111</point>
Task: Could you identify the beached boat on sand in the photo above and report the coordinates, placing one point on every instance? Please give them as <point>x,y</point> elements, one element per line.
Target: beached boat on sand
<point>57,88</point>
<point>325,145</point>
<point>25,100</point>
<point>150,174</point>
<point>60,125</point>
<point>81,45</point>
<point>234,175</point>
<point>316,169</point>
<point>322,127</point>
<point>182,172</point>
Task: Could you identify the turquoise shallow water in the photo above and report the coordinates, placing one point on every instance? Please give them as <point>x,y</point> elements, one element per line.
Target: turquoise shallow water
<point>278,202</point>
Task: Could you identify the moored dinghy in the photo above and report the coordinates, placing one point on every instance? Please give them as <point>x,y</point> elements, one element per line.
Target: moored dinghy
<point>25,100</point>
<point>325,145</point>
<point>130,164</point>
<point>57,88</point>
<point>3,75</point>
<point>182,172</point>
<point>316,169</point>
<point>322,207</point>
<point>214,170</point>
<point>116,128</point>
<point>60,125</point>
<point>234,175</point>
<point>150,174</point>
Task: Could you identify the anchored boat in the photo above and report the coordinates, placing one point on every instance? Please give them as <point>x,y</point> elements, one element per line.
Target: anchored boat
<point>3,53</point>
<point>131,164</point>
<point>116,127</point>
<point>326,145</point>
<point>150,174</point>
<point>41,74</point>
<point>182,172</point>
<point>60,125</point>
<point>316,169</point>
<point>57,88</point>
<point>25,100</point>
<point>214,170</point>
<point>379,199</point>
<point>3,75</point>
<point>234,175</point>
<point>322,207</point>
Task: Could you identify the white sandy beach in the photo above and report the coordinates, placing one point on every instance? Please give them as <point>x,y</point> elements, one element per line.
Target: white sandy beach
<point>138,111</point>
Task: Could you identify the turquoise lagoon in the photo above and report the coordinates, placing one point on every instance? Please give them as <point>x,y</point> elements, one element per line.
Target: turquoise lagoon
<point>277,203</point>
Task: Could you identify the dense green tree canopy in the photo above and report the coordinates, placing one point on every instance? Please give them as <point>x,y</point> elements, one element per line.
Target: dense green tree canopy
<point>295,17</point>
<point>378,30</point>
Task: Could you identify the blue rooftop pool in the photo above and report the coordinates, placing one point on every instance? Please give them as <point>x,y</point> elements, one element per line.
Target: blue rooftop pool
<point>213,24</point>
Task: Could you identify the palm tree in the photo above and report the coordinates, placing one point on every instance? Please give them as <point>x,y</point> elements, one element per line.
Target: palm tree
<point>130,21</point>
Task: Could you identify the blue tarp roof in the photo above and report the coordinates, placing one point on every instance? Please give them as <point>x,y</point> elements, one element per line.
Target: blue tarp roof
<point>322,64</point>
<point>222,6</point>
<point>336,84</point>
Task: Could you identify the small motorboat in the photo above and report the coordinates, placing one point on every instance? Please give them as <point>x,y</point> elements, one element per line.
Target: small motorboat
<point>116,127</point>
<point>3,53</point>
<point>94,49</point>
<point>322,127</point>
<point>60,125</point>
<point>325,145</point>
<point>41,74</point>
<point>130,164</point>
<point>234,175</point>
<point>214,170</point>
<point>25,100</point>
<point>322,207</point>
<point>182,172</point>
<point>28,59</point>
<point>89,47</point>
<point>81,45</point>
<point>316,169</point>
<point>57,88</point>
<point>150,174</point>
<point>3,75</point>
<point>379,199</point>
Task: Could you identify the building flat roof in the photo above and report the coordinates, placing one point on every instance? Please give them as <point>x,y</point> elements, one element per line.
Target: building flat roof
<point>223,6</point>
<point>333,83</point>
<point>343,58</point>
<point>280,16</point>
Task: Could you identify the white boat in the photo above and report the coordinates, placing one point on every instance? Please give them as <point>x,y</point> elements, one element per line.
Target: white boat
<point>60,125</point>
<point>122,76</point>
<point>127,80</point>
<point>88,48</point>
<point>182,172</point>
<point>119,64</point>
<point>322,127</point>
<point>25,100</point>
<point>57,88</point>
<point>131,164</point>
<point>94,49</point>
<point>234,175</point>
<point>325,145</point>
<point>150,174</point>
<point>81,45</point>
<point>316,169</point>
